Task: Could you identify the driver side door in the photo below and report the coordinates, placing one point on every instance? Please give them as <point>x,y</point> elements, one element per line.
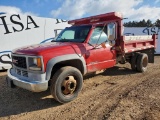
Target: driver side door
<point>100,57</point>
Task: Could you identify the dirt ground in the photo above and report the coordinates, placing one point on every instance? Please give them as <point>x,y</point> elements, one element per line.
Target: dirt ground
<point>116,94</point>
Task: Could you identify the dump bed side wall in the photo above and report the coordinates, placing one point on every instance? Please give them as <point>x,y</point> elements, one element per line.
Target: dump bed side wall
<point>130,44</point>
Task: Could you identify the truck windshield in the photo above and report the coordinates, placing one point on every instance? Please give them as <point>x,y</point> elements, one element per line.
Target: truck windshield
<point>73,34</point>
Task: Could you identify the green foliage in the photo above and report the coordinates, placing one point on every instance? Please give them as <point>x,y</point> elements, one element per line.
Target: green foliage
<point>157,23</point>
<point>142,23</point>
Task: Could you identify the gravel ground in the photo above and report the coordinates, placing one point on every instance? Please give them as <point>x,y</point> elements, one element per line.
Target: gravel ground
<point>116,94</point>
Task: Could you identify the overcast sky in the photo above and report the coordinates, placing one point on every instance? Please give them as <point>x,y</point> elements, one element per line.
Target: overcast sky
<point>72,9</point>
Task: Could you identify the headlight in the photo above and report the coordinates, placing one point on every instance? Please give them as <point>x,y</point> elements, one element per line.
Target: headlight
<point>35,63</point>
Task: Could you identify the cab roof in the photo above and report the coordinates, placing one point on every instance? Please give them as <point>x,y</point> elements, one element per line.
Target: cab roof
<point>97,18</point>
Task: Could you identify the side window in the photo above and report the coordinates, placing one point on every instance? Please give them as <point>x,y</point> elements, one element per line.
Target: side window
<point>68,34</point>
<point>99,35</point>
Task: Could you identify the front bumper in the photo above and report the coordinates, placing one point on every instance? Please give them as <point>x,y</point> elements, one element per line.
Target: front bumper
<point>34,86</point>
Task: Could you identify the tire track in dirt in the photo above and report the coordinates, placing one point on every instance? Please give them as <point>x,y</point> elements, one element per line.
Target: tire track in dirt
<point>115,96</point>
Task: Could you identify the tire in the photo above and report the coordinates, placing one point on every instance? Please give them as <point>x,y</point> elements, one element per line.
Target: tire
<point>134,62</point>
<point>66,84</point>
<point>142,62</point>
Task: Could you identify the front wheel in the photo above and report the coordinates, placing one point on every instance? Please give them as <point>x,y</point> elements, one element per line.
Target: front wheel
<point>66,84</point>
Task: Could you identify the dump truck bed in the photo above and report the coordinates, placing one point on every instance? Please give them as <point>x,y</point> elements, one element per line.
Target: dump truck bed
<point>136,43</point>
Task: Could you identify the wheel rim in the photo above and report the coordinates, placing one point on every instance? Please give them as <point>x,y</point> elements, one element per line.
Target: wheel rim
<point>145,62</point>
<point>68,85</point>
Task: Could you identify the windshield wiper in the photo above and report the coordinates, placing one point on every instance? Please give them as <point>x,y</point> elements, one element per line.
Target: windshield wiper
<point>53,40</point>
<point>64,40</point>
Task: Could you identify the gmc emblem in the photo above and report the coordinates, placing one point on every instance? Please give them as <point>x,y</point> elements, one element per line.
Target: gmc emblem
<point>15,61</point>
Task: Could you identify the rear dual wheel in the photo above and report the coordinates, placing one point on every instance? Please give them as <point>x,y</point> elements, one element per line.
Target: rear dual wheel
<point>66,84</point>
<point>134,62</point>
<point>142,62</point>
<point>139,62</point>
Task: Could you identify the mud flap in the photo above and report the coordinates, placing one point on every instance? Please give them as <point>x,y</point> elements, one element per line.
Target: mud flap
<point>150,52</point>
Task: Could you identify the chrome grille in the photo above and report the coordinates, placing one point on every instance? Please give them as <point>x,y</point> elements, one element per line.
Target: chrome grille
<point>18,72</point>
<point>24,73</point>
<point>19,61</point>
<point>21,72</point>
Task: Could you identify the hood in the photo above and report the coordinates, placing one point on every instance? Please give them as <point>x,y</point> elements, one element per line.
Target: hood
<point>39,49</point>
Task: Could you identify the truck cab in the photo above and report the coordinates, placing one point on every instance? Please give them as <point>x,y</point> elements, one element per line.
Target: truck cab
<point>90,44</point>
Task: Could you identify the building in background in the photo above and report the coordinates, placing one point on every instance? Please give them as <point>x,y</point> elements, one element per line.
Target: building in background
<point>144,31</point>
<point>18,30</point>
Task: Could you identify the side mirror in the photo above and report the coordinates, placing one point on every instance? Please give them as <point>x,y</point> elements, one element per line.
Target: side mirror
<point>111,31</point>
<point>111,37</point>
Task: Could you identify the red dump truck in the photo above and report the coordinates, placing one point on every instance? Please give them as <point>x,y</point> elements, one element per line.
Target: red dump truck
<point>90,44</point>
